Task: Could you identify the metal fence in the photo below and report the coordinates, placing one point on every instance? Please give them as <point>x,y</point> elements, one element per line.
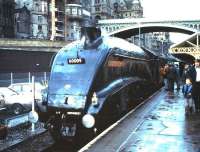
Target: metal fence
<point>8,78</point>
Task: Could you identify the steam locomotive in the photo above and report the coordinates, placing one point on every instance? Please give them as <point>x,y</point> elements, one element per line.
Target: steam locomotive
<point>92,85</point>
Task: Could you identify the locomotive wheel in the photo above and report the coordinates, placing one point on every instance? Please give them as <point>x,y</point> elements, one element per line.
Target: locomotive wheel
<point>59,135</point>
<point>56,135</point>
<point>54,128</point>
<point>2,103</point>
<point>123,103</point>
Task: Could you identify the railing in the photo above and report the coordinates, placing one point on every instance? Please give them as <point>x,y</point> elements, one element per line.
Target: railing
<point>8,78</point>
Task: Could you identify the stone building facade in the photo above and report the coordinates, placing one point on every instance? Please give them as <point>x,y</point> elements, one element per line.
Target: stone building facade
<point>101,9</point>
<point>65,20</point>
<point>127,9</point>
<point>38,25</point>
<point>22,23</point>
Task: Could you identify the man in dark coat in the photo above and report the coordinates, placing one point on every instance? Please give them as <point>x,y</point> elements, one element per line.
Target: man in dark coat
<point>196,88</point>
<point>171,77</point>
<point>192,73</point>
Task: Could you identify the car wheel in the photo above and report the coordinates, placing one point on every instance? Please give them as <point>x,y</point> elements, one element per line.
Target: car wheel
<point>2,103</point>
<point>17,108</point>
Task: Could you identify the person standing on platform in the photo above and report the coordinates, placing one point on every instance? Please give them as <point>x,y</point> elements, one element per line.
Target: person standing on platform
<point>177,79</point>
<point>171,77</point>
<point>192,73</point>
<point>187,92</point>
<point>196,88</point>
<point>162,76</point>
<point>189,72</point>
<point>185,73</point>
<point>166,71</point>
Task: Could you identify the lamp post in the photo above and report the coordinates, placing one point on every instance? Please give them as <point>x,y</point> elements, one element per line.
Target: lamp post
<point>162,48</point>
<point>139,33</point>
<point>53,25</point>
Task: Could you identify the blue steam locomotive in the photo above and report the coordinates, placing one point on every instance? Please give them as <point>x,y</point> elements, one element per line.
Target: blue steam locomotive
<point>92,81</point>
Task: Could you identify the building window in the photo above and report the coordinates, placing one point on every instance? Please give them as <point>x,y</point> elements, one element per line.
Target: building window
<point>40,19</point>
<point>72,35</point>
<point>97,1</point>
<point>39,27</point>
<point>97,9</point>
<point>80,12</point>
<point>74,11</point>
<point>44,7</point>
<point>37,7</point>
<point>67,10</point>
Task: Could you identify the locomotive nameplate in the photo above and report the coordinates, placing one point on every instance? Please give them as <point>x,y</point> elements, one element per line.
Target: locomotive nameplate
<point>76,61</point>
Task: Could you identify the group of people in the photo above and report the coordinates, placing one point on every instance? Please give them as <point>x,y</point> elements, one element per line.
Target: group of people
<point>171,75</point>
<point>189,76</point>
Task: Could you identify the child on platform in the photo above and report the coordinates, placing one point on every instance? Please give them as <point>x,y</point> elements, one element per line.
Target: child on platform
<point>187,90</point>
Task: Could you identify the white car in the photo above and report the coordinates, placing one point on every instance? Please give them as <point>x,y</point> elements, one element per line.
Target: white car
<point>18,97</point>
<point>2,102</point>
<point>12,100</point>
<point>26,88</point>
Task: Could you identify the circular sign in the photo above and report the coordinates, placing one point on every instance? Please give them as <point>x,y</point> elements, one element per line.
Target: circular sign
<point>33,116</point>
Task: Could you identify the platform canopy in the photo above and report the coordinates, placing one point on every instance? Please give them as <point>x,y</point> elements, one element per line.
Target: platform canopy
<point>189,49</point>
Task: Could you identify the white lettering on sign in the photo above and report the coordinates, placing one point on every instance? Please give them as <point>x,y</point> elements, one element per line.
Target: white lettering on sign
<point>76,61</point>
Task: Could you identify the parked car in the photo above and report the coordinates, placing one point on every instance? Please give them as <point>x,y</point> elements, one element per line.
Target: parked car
<point>18,97</point>
<point>2,102</point>
<point>26,88</point>
<point>12,100</point>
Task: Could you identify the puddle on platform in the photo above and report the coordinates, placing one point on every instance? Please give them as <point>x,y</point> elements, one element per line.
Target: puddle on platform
<point>173,128</point>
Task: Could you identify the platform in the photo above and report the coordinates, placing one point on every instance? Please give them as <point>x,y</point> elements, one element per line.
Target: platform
<point>158,125</point>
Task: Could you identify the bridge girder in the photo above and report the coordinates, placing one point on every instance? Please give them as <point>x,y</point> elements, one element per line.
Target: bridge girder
<point>147,28</point>
<point>111,25</point>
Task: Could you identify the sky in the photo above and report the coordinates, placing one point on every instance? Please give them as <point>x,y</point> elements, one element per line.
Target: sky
<point>172,9</point>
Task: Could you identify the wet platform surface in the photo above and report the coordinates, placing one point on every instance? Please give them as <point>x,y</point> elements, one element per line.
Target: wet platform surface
<point>159,125</point>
